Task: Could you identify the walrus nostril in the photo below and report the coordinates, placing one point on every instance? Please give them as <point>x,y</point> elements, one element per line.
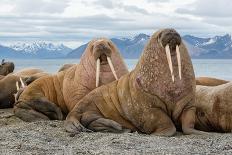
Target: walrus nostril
<point>172,38</point>
<point>102,47</point>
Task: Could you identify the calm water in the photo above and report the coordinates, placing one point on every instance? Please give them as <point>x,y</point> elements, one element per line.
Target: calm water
<point>203,67</point>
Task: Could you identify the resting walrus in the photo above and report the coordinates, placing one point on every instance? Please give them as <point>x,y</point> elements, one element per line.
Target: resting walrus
<point>159,92</point>
<point>31,74</point>
<point>8,89</point>
<point>6,67</point>
<point>209,81</point>
<point>214,108</point>
<point>52,97</point>
<point>65,67</point>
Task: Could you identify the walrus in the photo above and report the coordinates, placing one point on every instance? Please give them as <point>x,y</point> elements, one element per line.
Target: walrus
<point>65,67</point>
<point>8,89</point>
<point>6,67</point>
<point>31,74</point>
<point>214,108</point>
<point>154,98</point>
<point>209,81</point>
<point>1,77</point>
<point>53,96</point>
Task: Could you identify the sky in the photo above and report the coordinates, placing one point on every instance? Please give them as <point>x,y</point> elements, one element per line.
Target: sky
<point>74,22</point>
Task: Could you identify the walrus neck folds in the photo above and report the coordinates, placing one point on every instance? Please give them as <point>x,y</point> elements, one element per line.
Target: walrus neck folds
<point>154,76</point>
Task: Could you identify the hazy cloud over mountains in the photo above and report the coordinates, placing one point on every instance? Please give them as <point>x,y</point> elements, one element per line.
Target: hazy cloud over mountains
<point>76,21</point>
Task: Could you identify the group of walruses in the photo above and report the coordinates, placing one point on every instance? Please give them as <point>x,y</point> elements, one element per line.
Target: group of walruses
<point>159,96</point>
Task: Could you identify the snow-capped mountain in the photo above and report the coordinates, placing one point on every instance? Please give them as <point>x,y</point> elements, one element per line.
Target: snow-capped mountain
<point>129,47</point>
<point>39,50</point>
<point>219,47</point>
<point>36,46</point>
<point>215,47</point>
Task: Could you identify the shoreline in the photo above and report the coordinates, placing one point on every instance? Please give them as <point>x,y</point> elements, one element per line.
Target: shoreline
<point>49,137</point>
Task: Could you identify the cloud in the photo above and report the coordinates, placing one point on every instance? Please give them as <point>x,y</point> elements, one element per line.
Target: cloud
<point>213,12</point>
<point>109,4</point>
<point>209,8</point>
<point>80,20</point>
<point>157,1</point>
<point>38,6</point>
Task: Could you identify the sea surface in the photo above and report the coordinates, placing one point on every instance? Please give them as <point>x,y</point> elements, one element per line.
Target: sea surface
<point>219,68</point>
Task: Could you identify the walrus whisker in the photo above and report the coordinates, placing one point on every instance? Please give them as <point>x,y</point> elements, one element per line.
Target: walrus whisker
<point>168,54</point>
<point>22,83</point>
<point>112,67</point>
<point>97,72</point>
<point>178,60</point>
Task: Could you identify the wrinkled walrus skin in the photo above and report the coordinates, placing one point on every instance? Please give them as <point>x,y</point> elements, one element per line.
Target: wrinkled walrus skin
<point>8,87</point>
<point>7,90</point>
<point>52,97</point>
<point>214,108</point>
<point>150,99</point>
<point>209,81</point>
<point>6,67</point>
<point>31,74</point>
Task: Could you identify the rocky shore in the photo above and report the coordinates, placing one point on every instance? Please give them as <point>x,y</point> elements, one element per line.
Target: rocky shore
<point>49,137</point>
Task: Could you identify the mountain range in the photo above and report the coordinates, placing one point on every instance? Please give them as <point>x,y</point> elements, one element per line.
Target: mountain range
<point>34,50</point>
<point>219,47</point>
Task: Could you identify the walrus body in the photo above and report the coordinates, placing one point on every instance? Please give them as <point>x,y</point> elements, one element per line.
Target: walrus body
<point>209,81</point>
<point>7,90</point>
<point>6,67</point>
<point>52,97</point>
<point>31,74</point>
<point>65,67</point>
<point>8,85</point>
<point>152,98</point>
<point>214,108</point>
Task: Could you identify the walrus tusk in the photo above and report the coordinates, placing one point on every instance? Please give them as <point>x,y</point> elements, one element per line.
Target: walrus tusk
<point>97,72</point>
<point>112,67</point>
<point>22,83</point>
<point>167,49</point>
<point>15,97</point>
<point>17,86</point>
<point>178,60</point>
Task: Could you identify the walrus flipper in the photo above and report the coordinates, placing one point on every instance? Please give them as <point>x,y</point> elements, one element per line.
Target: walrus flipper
<point>188,120</point>
<point>39,109</point>
<point>86,118</point>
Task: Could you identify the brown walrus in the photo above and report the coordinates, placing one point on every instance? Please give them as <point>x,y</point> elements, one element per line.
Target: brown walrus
<point>214,108</point>
<point>8,89</point>
<point>52,97</point>
<point>152,98</point>
<point>65,67</point>
<point>6,67</point>
<point>1,77</point>
<point>31,74</point>
<point>8,84</point>
<point>209,81</point>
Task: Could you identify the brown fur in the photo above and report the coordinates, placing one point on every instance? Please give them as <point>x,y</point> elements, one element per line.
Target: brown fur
<point>65,67</point>
<point>8,84</point>
<point>1,77</point>
<point>209,81</point>
<point>52,97</point>
<point>144,100</point>
<point>31,74</point>
<point>7,91</point>
<point>6,67</point>
<point>214,108</point>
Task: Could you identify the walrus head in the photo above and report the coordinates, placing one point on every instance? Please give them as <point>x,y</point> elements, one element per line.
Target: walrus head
<point>106,59</point>
<point>165,68</point>
<point>6,67</point>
